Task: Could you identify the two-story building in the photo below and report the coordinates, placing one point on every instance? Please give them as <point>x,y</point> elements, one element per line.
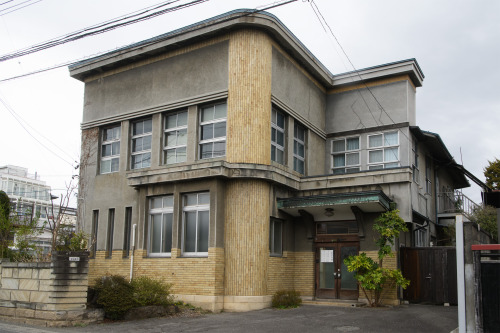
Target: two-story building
<point>242,166</point>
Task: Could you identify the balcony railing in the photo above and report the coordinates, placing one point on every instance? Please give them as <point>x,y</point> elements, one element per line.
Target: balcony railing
<point>455,203</point>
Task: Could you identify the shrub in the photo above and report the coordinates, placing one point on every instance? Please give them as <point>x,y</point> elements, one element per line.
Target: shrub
<point>284,299</point>
<point>115,295</point>
<point>148,291</point>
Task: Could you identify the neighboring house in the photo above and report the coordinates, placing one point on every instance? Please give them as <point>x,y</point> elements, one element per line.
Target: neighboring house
<point>31,197</point>
<point>243,166</point>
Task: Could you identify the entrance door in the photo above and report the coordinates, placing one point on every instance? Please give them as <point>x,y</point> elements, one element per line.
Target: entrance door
<point>332,278</point>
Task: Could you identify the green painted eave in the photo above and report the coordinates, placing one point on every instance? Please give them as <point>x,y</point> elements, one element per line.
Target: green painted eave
<point>356,198</point>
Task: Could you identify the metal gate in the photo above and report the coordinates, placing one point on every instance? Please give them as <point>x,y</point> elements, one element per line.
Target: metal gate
<point>432,272</point>
<point>487,275</point>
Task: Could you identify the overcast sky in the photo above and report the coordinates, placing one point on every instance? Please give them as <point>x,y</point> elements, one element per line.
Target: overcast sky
<point>456,43</point>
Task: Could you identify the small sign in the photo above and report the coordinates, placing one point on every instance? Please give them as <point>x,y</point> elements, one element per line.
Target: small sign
<point>326,256</point>
<point>74,258</point>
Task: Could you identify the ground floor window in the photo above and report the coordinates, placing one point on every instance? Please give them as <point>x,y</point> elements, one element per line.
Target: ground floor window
<point>160,225</point>
<point>196,222</point>
<point>276,238</point>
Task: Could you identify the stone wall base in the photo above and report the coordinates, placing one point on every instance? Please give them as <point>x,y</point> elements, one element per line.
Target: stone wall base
<point>51,318</point>
<point>226,303</point>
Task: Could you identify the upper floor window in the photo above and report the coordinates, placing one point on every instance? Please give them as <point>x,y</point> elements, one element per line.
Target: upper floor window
<point>415,167</point>
<point>160,225</point>
<point>383,150</point>
<point>141,143</point>
<point>213,131</point>
<point>196,211</point>
<point>277,136</point>
<point>345,155</point>
<point>299,137</point>
<point>428,182</point>
<point>175,138</point>
<point>110,149</point>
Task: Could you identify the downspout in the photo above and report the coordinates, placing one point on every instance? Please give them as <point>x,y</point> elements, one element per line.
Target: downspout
<point>132,248</point>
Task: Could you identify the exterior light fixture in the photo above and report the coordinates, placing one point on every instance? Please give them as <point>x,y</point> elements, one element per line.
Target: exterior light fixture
<point>329,212</point>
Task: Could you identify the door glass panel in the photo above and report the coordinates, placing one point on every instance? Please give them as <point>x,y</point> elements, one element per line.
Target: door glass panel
<point>347,280</point>
<point>327,268</point>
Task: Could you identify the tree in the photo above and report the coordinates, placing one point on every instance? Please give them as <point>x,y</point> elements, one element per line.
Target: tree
<point>6,224</point>
<point>486,217</point>
<point>492,174</point>
<point>372,277</point>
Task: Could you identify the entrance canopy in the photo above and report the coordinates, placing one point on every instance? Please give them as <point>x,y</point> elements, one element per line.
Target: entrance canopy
<point>338,203</point>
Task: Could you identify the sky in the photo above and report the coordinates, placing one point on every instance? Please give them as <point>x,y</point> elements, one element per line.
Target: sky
<point>456,43</point>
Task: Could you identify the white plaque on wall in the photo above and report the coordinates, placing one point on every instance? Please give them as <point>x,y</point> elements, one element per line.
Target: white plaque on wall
<point>326,256</point>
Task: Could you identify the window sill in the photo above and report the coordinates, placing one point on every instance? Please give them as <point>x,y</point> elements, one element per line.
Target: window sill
<point>194,255</point>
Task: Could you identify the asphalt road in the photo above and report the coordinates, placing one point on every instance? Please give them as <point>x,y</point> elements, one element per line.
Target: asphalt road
<point>308,318</point>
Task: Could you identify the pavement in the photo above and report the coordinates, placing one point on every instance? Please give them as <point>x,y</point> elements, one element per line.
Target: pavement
<point>412,318</point>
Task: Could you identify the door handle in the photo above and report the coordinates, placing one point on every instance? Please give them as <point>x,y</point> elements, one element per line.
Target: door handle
<point>428,277</point>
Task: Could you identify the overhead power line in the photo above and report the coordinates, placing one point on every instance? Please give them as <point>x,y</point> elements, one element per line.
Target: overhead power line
<point>102,27</point>
<point>258,9</point>
<point>29,3</point>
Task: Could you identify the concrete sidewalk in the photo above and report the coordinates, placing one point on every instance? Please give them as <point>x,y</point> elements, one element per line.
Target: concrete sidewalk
<point>307,318</point>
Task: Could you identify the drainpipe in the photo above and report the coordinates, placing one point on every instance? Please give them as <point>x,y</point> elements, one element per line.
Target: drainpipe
<point>459,226</point>
<point>132,248</point>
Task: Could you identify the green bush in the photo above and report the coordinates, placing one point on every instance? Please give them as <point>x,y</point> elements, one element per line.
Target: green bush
<point>115,295</point>
<point>284,299</point>
<point>148,291</point>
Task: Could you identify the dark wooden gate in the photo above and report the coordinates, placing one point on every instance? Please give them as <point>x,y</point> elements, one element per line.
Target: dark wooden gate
<point>432,272</point>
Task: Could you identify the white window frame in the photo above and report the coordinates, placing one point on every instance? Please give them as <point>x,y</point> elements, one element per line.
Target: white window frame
<point>346,168</point>
<point>176,148</point>
<point>297,142</point>
<point>428,172</point>
<point>199,207</point>
<point>213,140</point>
<point>111,143</point>
<point>275,146</point>
<point>140,152</point>
<point>275,250</point>
<point>383,148</point>
<point>165,209</point>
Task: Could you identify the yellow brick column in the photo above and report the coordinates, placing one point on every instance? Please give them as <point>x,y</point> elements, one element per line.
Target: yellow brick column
<point>246,245</point>
<point>249,98</point>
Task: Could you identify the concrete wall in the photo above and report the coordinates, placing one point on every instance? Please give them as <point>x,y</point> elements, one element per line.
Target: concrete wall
<point>355,107</point>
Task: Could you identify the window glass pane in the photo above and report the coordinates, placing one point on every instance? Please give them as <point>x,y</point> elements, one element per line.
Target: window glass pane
<point>115,148</point>
<point>148,126</point>
<point>280,120</point>
<point>146,142</point>
<point>375,141</point>
<point>338,145</point>
<point>190,237</point>
<point>300,150</point>
<point>137,128</point>
<point>168,201</point>
<point>219,149</point>
<point>280,138</point>
<point>392,165</point>
<point>203,226</point>
<point>115,164</point>
<point>338,160</point>
<point>170,157</point>
<point>298,165</point>
<point>137,144</point>
<point>375,167</point>
<point>182,119</point>
<point>156,202</point>
<point>352,144</point>
<point>391,139</point>
<point>105,166</point>
<point>206,150</point>
<point>207,132</point>
<point>220,111</point>
<point>351,170</point>
<point>375,156</point>
<point>182,137</point>
<point>220,129</point>
<point>181,154</point>
<point>171,139</point>
<point>273,134</point>
<point>156,233</point>
<point>191,200</point>
<point>280,158</point>
<point>172,121</point>
<point>203,198</point>
<point>207,114</point>
<point>391,154</point>
<point>352,159</point>
<point>167,232</point>
<point>273,153</point>
<point>106,150</point>
<point>146,160</point>
<point>277,237</point>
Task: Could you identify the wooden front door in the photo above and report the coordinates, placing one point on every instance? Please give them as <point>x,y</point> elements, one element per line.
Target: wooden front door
<point>332,278</point>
